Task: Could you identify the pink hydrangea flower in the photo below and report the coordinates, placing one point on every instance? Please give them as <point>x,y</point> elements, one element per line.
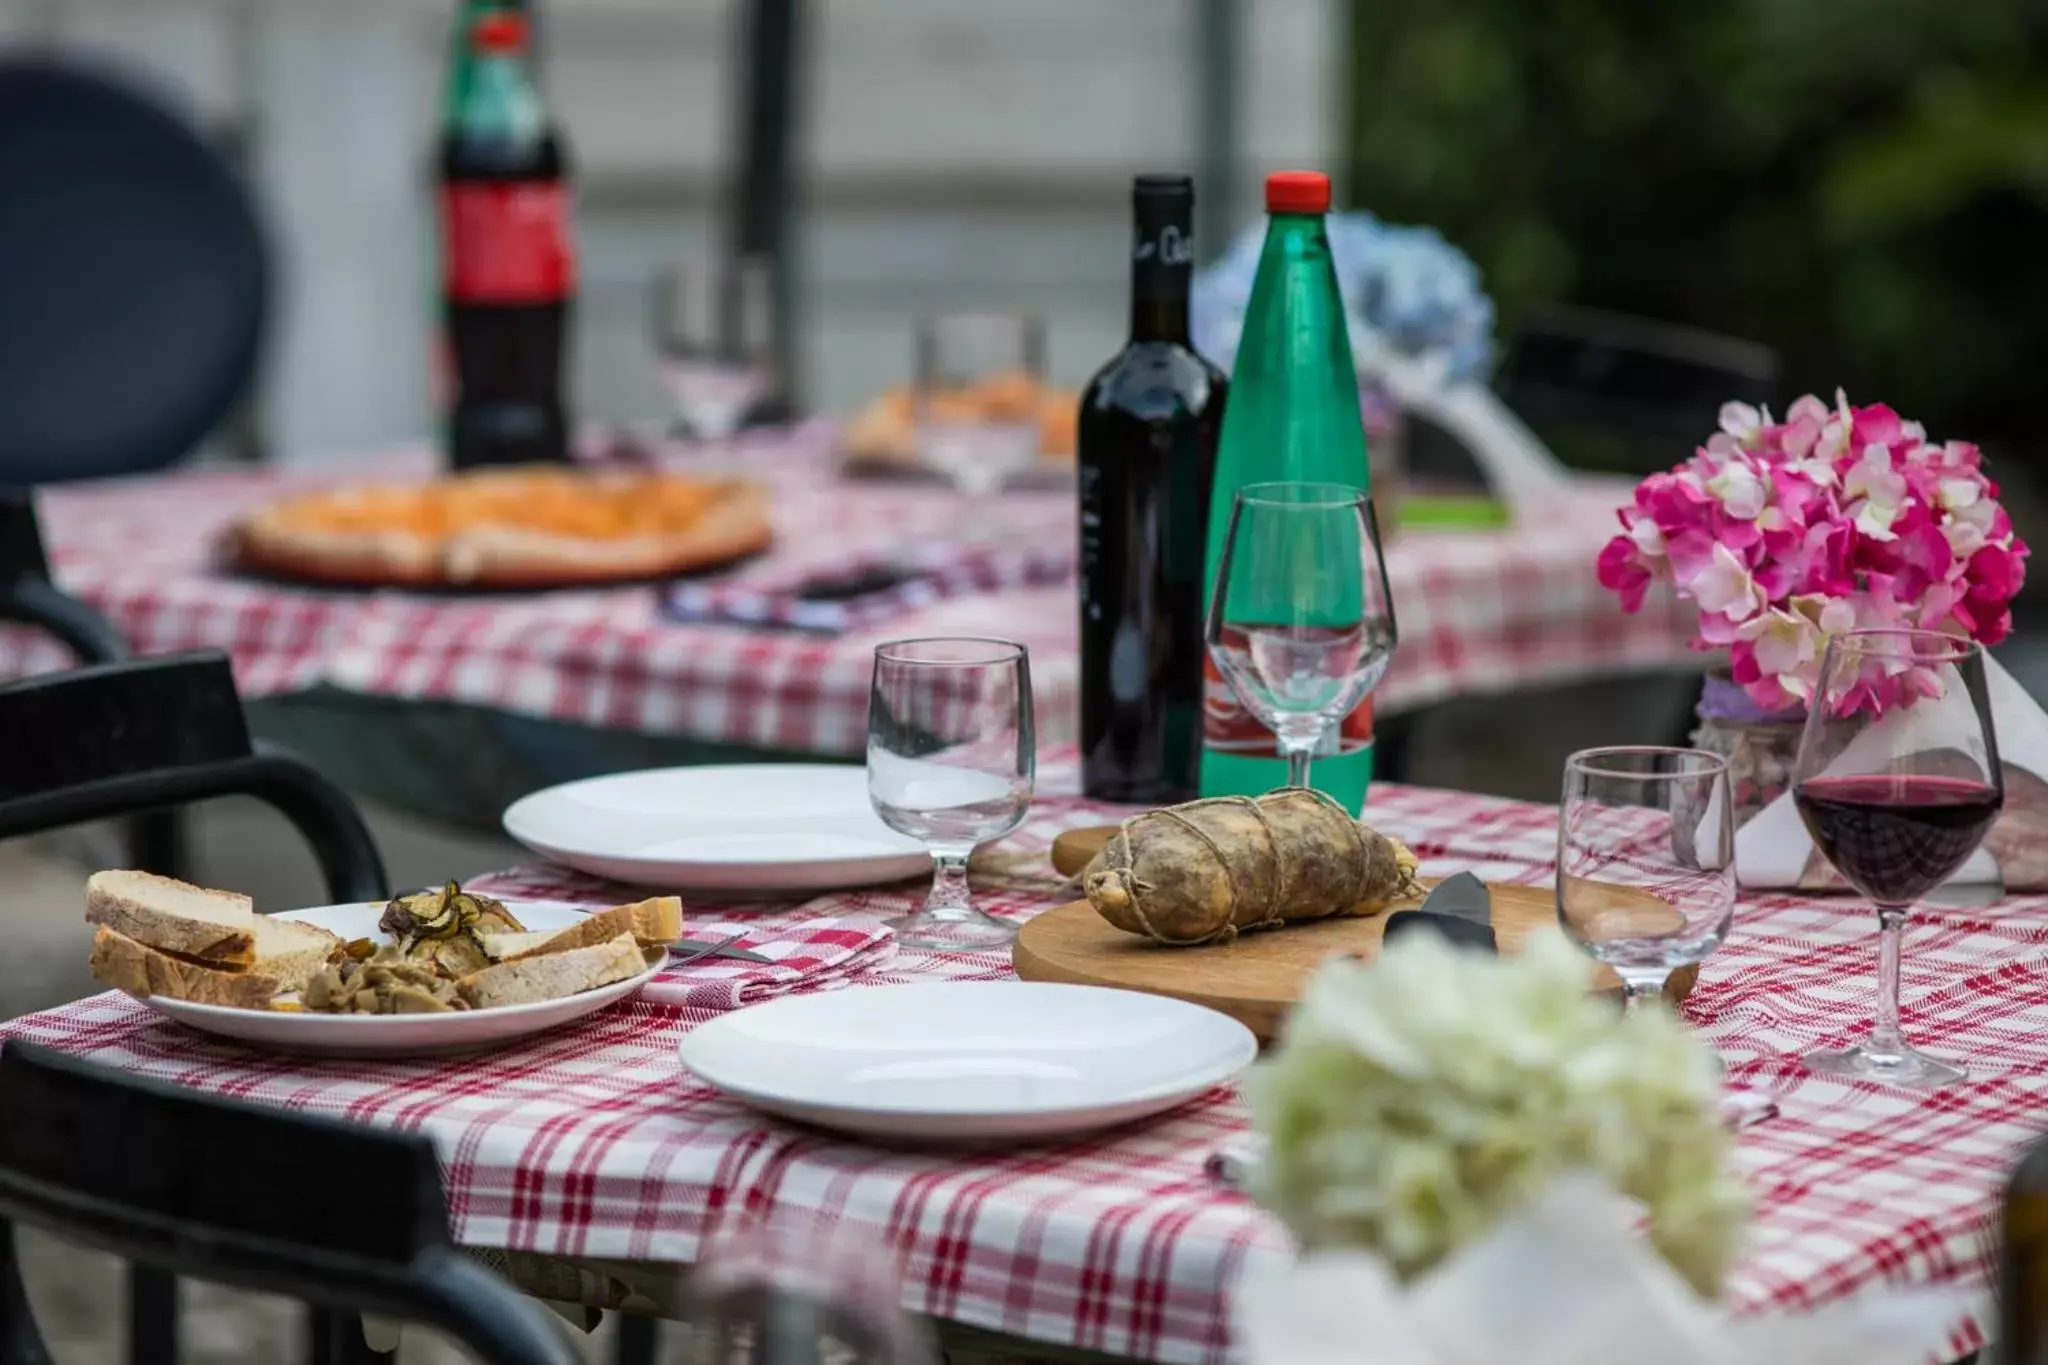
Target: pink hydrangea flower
<point>1784,533</point>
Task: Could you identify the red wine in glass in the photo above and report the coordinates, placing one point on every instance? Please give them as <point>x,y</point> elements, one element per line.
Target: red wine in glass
<point>1895,837</point>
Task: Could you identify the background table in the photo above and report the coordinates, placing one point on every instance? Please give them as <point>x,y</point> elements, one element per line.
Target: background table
<point>592,1145</point>
<point>476,695</point>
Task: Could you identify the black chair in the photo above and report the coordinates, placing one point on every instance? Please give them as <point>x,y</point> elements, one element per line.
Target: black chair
<point>1627,395</point>
<point>116,740</point>
<point>136,278</point>
<point>346,1218</point>
<point>28,596</point>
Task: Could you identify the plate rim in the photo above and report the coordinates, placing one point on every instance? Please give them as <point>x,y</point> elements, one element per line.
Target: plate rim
<point>557,850</point>
<point>1158,1091</point>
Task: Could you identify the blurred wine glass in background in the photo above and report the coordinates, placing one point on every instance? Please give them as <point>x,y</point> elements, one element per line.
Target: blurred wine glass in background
<point>796,1293</point>
<point>975,401</point>
<point>713,327</point>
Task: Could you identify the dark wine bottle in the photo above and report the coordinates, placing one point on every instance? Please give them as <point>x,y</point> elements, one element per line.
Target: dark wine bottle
<point>2023,1262</point>
<point>1147,457</point>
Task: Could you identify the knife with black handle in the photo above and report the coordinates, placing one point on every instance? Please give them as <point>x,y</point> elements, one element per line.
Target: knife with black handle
<point>1460,909</point>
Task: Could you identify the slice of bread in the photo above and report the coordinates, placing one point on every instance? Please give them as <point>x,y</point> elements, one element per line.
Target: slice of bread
<point>214,927</point>
<point>291,952</point>
<point>142,971</point>
<point>651,923</point>
<point>554,976</point>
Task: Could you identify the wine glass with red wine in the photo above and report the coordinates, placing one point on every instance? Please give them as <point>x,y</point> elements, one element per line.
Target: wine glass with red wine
<point>1898,781</point>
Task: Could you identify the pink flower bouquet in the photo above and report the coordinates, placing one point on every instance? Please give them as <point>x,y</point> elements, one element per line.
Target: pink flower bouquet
<point>1833,519</point>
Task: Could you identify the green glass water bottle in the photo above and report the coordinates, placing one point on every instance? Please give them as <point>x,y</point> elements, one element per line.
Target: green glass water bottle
<point>1293,414</point>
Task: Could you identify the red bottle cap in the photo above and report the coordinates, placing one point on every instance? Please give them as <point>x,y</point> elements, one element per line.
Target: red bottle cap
<point>501,30</point>
<point>1297,192</point>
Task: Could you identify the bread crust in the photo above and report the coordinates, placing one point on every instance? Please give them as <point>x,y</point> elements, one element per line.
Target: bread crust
<point>142,972</point>
<point>503,555</point>
<point>657,920</point>
<point>553,977</point>
<point>225,945</point>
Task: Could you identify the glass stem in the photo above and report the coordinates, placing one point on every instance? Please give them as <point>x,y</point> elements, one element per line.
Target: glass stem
<point>1641,991</point>
<point>1298,749</point>
<point>1885,1038</point>
<point>949,882</point>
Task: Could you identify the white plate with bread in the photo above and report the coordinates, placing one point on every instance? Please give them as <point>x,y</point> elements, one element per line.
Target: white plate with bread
<point>427,974</point>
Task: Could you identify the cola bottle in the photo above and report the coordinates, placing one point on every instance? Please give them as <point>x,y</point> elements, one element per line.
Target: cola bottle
<point>509,262</point>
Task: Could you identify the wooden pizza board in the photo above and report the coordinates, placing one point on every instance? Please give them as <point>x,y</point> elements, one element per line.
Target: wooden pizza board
<point>1257,978</point>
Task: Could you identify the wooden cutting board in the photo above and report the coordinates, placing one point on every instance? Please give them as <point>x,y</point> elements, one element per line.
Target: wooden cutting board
<point>1258,978</point>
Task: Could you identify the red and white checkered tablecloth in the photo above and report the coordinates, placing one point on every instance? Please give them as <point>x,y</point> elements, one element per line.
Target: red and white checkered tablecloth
<point>591,1142</point>
<point>1480,611</point>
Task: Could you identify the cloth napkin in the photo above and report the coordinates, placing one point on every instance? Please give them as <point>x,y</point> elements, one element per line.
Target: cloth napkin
<point>868,588</point>
<point>1231,1164</point>
<point>813,954</point>
<point>1774,850</point>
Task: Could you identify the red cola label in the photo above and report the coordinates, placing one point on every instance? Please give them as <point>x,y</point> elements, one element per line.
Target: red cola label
<point>508,242</point>
<point>1230,729</point>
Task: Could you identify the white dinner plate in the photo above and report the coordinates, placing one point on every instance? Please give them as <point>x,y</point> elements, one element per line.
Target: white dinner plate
<point>400,1035</point>
<point>747,830</point>
<point>968,1061</point>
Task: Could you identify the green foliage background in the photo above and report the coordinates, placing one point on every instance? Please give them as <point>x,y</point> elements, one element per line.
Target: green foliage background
<point>1862,184</point>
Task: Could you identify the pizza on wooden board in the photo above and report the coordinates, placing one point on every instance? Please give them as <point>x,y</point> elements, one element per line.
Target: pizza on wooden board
<point>528,526</point>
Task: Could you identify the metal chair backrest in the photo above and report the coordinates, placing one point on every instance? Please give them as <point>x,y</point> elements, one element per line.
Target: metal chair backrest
<point>146,734</point>
<point>1625,394</point>
<point>28,596</point>
<point>337,1215</point>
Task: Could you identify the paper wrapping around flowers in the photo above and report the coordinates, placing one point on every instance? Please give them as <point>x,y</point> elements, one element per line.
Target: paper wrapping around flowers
<point>1773,850</point>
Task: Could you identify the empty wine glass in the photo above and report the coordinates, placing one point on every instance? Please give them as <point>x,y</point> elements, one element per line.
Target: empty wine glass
<point>714,338</point>
<point>1898,781</point>
<point>1646,860</point>
<point>1302,621</point>
<point>975,401</point>
<point>796,1292</point>
<point>951,758</point>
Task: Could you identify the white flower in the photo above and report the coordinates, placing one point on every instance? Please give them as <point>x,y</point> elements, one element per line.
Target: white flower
<point>1724,585</point>
<point>1417,1100</point>
<point>1740,420</point>
<point>1740,490</point>
<point>1881,488</point>
<point>1648,536</point>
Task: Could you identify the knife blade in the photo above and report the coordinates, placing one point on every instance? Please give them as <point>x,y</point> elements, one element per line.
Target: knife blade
<point>1459,909</point>
<point>703,948</point>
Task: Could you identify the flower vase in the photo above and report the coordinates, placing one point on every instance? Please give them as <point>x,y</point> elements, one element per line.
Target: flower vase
<point>1761,746</point>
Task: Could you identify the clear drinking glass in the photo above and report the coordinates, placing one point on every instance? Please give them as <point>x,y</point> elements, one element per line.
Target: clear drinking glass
<point>795,1292</point>
<point>951,758</point>
<point>1646,860</point>
<point>975,402</point>
<point>1897,796</point>
<point>714,338</point>
<point>1302,621</point>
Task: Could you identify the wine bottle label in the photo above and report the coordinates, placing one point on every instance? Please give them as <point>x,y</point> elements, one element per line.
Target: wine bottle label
<point>1162,260</point>
<point>1230,729</point>
<point>508,242</point>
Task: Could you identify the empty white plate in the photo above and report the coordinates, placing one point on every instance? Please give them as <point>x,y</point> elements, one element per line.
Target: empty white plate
<point>968,1061</point>
<point>400,1035</point>
<point>745,829</point>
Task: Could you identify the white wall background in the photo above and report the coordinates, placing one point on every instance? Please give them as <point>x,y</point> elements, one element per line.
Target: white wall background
<point>955,152</point>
